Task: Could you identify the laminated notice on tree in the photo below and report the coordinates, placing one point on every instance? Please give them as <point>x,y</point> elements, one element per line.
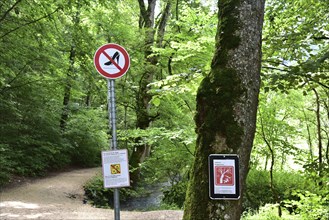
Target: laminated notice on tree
<point>224,176</point>
<point>115,168</point>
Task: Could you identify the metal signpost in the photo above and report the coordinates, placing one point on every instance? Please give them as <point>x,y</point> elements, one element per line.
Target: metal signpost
<point>112,61</point>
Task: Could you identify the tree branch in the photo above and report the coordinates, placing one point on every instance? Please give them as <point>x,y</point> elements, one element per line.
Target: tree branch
<point>163,23</point>
<point>142,13</point>
<point>321,38</point>
<point>274,68</point>
<point>28,23</point>
<point>188,150</point>
<point>150,13</point>
<point>22,85</point>
<point>13,79</point>
<point>321,84</point>
<point>11,8</point>
<point>275,62</point>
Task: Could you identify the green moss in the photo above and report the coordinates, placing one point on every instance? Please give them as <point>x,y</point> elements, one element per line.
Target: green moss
<point>228,24</point>
<point>216,97</point>
<point>198,190</point>
<point>220,90</point>
<point>222,87</point>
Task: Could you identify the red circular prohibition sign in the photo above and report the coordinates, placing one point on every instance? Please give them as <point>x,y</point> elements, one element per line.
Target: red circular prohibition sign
<point>120,68</point>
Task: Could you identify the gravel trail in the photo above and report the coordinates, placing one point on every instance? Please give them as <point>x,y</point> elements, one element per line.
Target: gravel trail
<point>60,196</point>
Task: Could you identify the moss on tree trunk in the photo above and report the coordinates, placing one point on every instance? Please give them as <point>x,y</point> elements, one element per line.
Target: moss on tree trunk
<point>227,102</point>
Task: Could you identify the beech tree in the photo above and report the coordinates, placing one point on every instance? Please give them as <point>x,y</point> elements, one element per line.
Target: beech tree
<point>227,102</point>
<point>153,35</point>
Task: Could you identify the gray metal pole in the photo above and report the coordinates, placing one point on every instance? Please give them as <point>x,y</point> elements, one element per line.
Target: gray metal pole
<point>111,107</point>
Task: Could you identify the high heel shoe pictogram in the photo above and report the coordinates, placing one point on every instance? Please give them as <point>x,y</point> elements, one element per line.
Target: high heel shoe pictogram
<point>116,55</point>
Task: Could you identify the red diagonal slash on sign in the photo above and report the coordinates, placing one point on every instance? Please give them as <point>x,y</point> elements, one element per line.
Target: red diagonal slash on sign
<point>119,68</point>
<point>112,61</point>
<point>113,167</point>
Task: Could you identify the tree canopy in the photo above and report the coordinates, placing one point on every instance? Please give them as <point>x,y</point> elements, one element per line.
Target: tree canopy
<point>53,103</point>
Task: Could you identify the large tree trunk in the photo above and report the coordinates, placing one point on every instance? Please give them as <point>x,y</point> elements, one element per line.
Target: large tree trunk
<point>143,98</point>
<point>227,103</point>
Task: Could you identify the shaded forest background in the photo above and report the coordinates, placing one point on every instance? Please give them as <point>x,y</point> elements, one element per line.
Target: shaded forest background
<point>53,103</point>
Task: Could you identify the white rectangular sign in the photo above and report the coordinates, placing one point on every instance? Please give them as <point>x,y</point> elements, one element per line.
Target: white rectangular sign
<point>224,176</point>
<point>224,180</point>
<point>115,168</point>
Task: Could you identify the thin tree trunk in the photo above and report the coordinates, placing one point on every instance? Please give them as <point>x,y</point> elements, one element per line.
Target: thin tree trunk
<point>326,106</point>
<point>318,129</point>
<point>270,147</point>
<point>69,76</point>
<point>309,138</point>
<point>163,24</point>
<point>282,160</point>
<point>67,91</point>
<point>327,150</point>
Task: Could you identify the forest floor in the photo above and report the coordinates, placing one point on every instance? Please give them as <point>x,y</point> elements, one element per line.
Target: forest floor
<point>60,196</point>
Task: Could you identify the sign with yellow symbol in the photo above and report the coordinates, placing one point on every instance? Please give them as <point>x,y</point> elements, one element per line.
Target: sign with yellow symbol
<point>115,169</point>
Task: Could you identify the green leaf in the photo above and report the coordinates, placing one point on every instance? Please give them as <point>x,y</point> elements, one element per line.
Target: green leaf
<point>156,101</point>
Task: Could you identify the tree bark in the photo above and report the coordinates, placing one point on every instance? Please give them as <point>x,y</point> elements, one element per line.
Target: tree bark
<point>143,98</point>
<point>318,126</point>
<point>69,75</point>
<point>309,138</point>
<point>147,22</point>
<point>275,195</point>
<point>227,101</point>
<point>67,91</point>
<point>326,107</point>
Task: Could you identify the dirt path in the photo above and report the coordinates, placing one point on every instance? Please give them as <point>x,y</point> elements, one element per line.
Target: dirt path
<point>60,197</point>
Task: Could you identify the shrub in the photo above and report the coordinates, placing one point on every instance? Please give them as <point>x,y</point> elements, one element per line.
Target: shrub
<point>86,136</point>
<point>103,197</point>
<point>258,192</point>
<point>268,212</point>
<point>175,195</point>
<point>7,165</point>
<point>311,205</point>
